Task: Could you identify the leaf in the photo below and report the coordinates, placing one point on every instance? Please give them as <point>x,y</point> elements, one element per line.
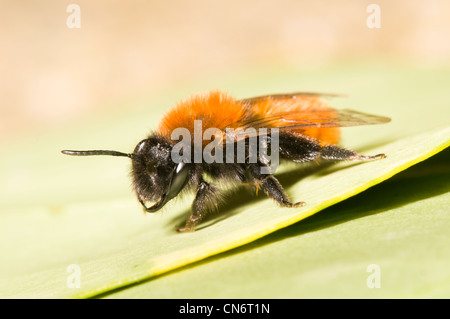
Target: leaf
<point>114,247</point>
<point>58,211</point>
<point>399,227</point>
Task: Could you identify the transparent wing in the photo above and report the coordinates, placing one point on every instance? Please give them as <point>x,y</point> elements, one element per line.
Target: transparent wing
<point>289,121</point>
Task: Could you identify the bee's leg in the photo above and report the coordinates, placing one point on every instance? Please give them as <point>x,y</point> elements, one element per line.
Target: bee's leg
<point>272,187</point>
<point>303,149</point>
<point>336,153</point>
<point>203,204</point>
<point>298,148</point>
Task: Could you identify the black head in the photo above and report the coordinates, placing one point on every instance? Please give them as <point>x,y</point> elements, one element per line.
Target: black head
<point>156,178</point>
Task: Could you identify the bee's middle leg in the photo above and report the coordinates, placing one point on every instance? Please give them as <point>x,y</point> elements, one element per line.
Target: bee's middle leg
<point>271,187</point>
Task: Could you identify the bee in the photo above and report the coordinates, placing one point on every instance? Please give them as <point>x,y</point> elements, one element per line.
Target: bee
<point>306,128</point>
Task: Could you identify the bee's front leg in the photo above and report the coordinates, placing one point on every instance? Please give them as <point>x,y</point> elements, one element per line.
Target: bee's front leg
<point>205,201</point>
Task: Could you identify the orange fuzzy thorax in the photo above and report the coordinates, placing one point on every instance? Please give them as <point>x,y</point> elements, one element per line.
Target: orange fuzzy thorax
<point>215,110</point>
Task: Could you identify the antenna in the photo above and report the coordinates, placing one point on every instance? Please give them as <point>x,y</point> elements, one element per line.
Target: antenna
<point>98,152</point>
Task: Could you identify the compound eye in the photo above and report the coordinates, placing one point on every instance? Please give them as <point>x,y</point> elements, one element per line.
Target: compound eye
<point>140,146</point>
<point>179,180</point>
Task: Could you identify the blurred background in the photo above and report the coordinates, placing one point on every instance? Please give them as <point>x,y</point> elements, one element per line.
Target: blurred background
<point>54,75</point>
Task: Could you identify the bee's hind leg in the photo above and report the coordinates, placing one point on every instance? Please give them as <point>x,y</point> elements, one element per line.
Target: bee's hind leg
<point>271,187</point>
<point>304,149</point>
<point>336,153</point>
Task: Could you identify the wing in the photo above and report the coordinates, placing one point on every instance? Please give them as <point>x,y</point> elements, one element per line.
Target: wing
<point>315,118</point>
<point>303,113</point>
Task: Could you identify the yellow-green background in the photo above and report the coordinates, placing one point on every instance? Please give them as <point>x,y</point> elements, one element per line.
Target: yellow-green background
<point>107,84</point>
